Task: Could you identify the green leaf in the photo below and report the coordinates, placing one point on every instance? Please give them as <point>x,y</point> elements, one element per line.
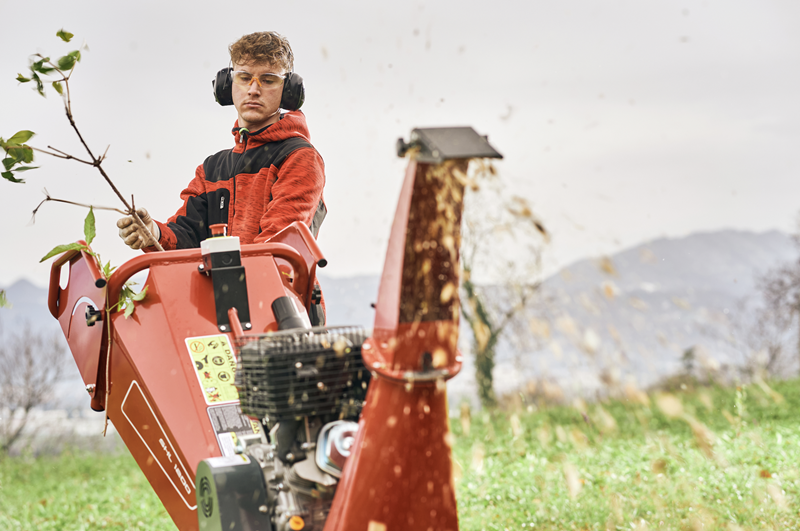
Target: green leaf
<point>20,153</point>
<point>129,310</point>
<point>58,249</point>
<point>66,62</point>
<point>22,79</point>
<point>88,227</point>
<point>27,154</point>
<point>58,87</point>
<point>41,67</point>
<point>8,162</point>
<point>7,175</point>
<point>26,168</point>
<point>76,54</point>
<point>65,35</point>
<point>141,295</point>
<point>19,138</point>
<point>3,300</point>
<point>124,297</point>
<point>108,269</point>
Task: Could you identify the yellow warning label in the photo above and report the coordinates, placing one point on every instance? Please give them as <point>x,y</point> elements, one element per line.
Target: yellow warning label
<point>215,364</point>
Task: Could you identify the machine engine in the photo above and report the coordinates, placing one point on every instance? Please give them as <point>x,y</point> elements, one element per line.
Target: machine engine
<point>306,387</point>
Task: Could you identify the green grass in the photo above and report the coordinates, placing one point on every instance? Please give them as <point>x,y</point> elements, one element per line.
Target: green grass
<point>729,462</point>
<point>78,492</point>
<point>725,459</point>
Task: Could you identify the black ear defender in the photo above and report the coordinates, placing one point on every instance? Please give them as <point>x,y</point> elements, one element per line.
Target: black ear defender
<point>222,86</point>
<point>294,93</point>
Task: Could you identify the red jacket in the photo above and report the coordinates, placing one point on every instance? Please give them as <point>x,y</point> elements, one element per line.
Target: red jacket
<point>271,178</point>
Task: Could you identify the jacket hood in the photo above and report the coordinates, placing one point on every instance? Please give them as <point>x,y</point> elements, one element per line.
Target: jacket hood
<point>290,125</point>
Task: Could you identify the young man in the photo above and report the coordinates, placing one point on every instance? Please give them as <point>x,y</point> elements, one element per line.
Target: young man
<point>272,177</point>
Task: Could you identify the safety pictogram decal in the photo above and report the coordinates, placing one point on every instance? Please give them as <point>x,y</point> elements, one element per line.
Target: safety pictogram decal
<point>215,364</point>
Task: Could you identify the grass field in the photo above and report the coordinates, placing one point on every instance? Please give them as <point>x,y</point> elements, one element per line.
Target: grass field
<point>703,459</point>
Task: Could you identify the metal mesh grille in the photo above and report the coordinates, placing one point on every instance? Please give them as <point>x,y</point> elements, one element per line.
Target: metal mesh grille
<point>303,373</point>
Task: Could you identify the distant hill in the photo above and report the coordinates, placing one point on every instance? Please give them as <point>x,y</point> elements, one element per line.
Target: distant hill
<point>28,303</point>
<point>633,315</point>
<point>348,300</point>
<point>630,316</point>
<point>724,261</point>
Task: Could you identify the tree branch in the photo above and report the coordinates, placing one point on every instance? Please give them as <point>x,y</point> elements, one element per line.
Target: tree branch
<point>96,162</point>
<point>61,155</point>
<point>56,200</point>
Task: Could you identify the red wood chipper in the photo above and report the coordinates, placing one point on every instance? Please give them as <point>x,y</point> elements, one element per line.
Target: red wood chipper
<point>244,417</point>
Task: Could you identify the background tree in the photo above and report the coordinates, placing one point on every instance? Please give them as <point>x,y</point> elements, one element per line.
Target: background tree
<point>768,341</point>
<point>501,246</point>
<point>31,364</point>
<point>780,292</point>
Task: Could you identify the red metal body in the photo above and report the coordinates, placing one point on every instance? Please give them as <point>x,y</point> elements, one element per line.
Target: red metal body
<point>155,399</point>
<point>399,475</point>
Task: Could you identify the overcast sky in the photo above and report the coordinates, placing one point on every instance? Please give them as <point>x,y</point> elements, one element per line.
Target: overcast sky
<point>620,120</point>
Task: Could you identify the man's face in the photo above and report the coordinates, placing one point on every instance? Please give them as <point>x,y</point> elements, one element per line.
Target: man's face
<point>258,105</point>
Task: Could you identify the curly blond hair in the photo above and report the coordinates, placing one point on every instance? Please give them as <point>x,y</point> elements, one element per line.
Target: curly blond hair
<point>263,47</point>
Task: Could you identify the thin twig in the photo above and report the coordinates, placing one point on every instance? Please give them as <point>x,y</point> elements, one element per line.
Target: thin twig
<point>108,363</point>
<point>62,155</point>
<point>59,156</point>
<point>51,154</point>
<point>94,207</point>
<point>57,200</point>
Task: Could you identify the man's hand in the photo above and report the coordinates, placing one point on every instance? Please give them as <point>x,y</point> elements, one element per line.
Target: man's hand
<point>134,235</point>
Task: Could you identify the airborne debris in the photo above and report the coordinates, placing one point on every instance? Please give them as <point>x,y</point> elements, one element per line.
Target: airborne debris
<point>607,266</point>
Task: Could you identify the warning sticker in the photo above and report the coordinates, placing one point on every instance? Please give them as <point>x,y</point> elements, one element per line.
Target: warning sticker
<point>229,424</point>
<point>215,364</point>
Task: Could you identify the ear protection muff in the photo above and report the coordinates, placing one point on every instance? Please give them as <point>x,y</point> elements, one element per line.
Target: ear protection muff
<point>222,86</point>
<point>294,93</point>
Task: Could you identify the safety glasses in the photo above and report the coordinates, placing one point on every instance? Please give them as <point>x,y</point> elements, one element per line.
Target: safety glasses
<point>245,79</point>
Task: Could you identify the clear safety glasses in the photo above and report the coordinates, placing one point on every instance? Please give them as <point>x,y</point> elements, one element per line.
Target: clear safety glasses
<point>245,79</point>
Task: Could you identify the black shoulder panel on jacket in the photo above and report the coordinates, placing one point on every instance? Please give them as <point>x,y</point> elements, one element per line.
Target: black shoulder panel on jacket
<point>191,228</point>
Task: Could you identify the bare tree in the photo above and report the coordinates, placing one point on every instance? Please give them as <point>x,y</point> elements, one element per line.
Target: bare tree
<point>31,363</point>
<point>501,258</point>
<point>762,336</point>
<point>769,341</point>
<point>780,291</point>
